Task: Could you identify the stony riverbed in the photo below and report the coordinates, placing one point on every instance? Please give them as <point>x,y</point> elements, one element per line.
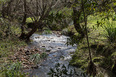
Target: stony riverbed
<point>58,52</point>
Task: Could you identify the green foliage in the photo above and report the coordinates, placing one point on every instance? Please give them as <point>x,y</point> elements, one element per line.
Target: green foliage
<point>63,71</point>
<point>29,20</point>
<point>1,1</point>
<point>111,31</point>
<point>65,31</point>
<point>47,31</point>
<point>97,59</point>
<point>102,39</point>
<point>107,63</point>
<point>8,28</point>
<point>114,18</point>
<point>113,55</point>
<point>13,70</point>
<point>78,61</point>
<point>8,46</point>
<point>35,58</point>
<point>43,55</point>
<point>103,59</point>
<point>74,39</point>
<point>9,43</point>
<point>59,20</point>
<point>73,34</point>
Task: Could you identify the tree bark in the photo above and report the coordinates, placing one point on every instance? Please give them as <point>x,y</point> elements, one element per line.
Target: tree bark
<point>22,27</point>
<point>9,8</point>
<point>3,11</point>
<point>114,68</point>
<point>22,36</point>
<point>85,21</point>
<point>37,6</point>
<point>34,29</point>
<point>76,20</point>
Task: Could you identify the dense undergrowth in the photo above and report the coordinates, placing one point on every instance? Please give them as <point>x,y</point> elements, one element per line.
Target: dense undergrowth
<point>9,43</point>
<point>8,68</point>
<point>102,44</point>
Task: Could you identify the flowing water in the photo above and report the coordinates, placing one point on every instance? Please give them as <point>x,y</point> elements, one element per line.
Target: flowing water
<point>58,51</point>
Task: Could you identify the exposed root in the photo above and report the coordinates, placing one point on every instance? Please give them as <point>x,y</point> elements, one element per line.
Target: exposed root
<point>91,69</point>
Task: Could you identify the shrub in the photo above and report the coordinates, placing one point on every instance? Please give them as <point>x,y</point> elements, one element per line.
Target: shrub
<point>47,31</point>
<point>43,55</point>
<point>111,31</point>
<point>64,71</point>
<point>13,70</point>
<point>9,28</point>
<point>35,58</point>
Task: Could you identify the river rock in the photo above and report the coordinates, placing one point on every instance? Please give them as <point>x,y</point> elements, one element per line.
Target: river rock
<point>47,40</point>
<point>59,48</point>
<point>53,41</point>
<point>37,37</point>
<point>58,35</point>
<point>43,46</point>
<point>51,47</point>
<point>34,67</point>
<point>48,50</point>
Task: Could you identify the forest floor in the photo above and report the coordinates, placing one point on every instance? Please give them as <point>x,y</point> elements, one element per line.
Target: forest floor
<point>8,47</point>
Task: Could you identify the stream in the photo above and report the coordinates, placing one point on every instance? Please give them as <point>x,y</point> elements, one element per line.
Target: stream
<point>59,52</point>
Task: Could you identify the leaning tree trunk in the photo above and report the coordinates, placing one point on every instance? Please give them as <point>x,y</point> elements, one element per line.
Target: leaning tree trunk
<point>76,20</point>
<point>29,34</point>
<point>22,27</point>
<point>34,29</point>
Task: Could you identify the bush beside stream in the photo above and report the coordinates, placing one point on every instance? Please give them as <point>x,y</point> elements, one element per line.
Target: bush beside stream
<point>102,45</point>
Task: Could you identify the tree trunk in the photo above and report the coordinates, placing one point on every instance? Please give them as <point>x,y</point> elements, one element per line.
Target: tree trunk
<point>28,35</point>
<point>22,36</point>
<point>34,29</point>
<point>114,68</point>
<point>37,6</point>
<point>91,66</point>
<point>3,11</point>
<point>76,20</point>
<point>9,8</point>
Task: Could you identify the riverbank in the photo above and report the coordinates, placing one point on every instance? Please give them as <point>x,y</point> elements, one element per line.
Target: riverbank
<point>8,47</point>
<point>102,47</point>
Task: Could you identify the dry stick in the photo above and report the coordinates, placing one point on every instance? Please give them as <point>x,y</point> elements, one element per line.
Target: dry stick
<point>85,20</point>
